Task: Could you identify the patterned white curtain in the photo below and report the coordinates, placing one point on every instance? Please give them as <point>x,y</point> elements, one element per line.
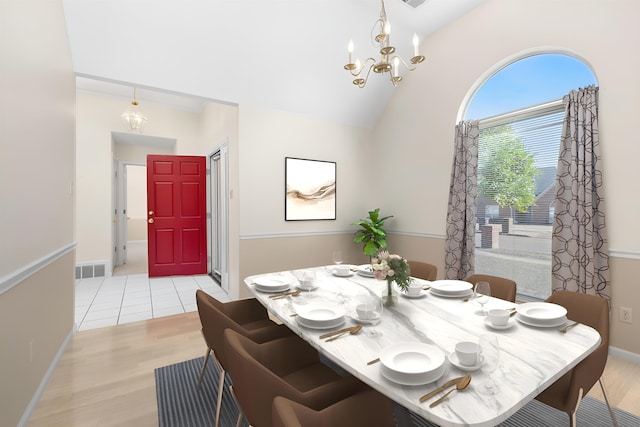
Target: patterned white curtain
<point>461,210</point>
<point>579,246</point>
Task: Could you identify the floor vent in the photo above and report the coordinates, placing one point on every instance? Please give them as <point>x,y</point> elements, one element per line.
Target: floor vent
<point>91,270</point>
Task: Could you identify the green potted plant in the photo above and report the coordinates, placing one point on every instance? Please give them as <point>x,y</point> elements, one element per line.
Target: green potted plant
<point>372,235</point>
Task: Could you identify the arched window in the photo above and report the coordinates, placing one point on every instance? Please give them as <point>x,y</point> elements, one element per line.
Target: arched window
<point>520,111</point>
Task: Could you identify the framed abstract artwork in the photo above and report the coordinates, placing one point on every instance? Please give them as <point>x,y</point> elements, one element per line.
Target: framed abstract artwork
<point>310,189</point>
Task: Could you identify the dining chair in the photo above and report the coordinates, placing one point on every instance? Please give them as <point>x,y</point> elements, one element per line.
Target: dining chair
<point>247,317</point>
<point>423,270</point>
<point>500,287</point>
<point>287,367</point>
<point>364,409</point>
<point>567,392</point>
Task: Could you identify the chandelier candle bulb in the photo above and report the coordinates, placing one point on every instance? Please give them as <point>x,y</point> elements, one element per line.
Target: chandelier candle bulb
<point>350,50</point>
<point>416,43</point>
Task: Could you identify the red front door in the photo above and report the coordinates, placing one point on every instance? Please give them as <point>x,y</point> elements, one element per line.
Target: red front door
<point>176,208</point>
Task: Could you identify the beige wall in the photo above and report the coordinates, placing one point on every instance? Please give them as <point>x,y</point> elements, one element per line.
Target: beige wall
<point>420,120</point>
<point>37,171</point>
<point>266,138</point>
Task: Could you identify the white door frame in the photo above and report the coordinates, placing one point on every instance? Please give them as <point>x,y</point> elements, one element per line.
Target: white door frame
<point>218,211</point>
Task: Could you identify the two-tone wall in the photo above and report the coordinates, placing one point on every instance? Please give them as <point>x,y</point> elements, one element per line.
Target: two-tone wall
<point>37,190</point>
<point>416,131</point>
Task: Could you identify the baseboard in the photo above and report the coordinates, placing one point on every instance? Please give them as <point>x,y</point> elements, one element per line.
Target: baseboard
<point>624,354</point>
<point>45,380</point>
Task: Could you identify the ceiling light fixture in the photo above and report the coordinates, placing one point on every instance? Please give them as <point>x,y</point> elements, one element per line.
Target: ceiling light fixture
<point>387,63</point>
<point>133,118</point>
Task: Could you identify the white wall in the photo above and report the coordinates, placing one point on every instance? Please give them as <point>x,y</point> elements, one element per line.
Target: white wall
<point>97,117</point>
<point>416,132</point>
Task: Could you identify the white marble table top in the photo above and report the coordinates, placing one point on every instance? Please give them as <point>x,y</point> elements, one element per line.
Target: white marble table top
<point>531,358</point>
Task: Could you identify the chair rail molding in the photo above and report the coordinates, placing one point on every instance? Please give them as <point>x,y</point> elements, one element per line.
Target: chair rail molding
<point>12,279</point>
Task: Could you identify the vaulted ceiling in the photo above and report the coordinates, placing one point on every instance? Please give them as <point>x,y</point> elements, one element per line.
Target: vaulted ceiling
<point>280,54</point>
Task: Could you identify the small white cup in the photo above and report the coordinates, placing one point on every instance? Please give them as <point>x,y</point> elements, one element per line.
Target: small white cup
<point>467,353</point>
<point>342,270</point>
<point>499,317</point>
<point>366,311</point>
<point>414,289</point>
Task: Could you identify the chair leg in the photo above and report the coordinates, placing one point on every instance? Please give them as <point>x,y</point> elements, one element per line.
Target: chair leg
<point>606,399</point>
<point>240,413</point>
<point>572,414</point>
<point>204,366</point>
<point>221,374</point>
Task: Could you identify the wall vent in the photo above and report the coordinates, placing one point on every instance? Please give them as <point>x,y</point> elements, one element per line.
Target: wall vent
<point>413,3</point>
<point>90,270</point>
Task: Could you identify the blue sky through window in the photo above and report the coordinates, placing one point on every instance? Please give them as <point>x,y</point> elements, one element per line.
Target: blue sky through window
<point>529,81</point>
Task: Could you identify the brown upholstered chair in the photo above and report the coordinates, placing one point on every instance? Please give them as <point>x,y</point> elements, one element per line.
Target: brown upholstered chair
<point>247,317</point>
<point>567,392</point>
<point>287,367</point>
<point>423,270</point>
<point>500,287</point>
<point>366,409</point>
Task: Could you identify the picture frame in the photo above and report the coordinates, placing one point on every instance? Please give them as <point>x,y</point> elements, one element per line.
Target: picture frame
<point>310,189</point>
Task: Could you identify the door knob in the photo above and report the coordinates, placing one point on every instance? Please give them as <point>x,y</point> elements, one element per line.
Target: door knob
<point>150,212</point>
<point>150,220</point>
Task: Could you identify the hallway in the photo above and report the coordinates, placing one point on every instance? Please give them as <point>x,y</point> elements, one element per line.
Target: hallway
<point>109,301</point>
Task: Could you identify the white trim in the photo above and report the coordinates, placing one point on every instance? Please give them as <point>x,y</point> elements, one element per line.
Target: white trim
<point>624,354</point>
<point>328,233</point>
<point>624,254</point>
<point>12,279</point>
<point>45,380</point>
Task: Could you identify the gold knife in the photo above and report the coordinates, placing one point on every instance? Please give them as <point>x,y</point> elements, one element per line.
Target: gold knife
<point>330,334</point>
<point>443,387</point>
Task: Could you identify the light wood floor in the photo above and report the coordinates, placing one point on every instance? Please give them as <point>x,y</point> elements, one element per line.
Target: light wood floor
<point>106,376</point>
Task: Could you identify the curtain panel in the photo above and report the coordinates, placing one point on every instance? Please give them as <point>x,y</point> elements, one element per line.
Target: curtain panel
<point>580,260</point>
<point>462,206</point>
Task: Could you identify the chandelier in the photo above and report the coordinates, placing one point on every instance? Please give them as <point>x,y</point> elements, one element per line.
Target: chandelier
<point>133,118</point>
<point>387,63</point>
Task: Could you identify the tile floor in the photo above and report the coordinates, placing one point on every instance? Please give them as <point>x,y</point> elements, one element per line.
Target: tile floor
<point>109,301</point>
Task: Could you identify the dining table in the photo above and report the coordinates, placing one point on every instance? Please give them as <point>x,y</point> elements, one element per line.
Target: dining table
<point>531,358</point>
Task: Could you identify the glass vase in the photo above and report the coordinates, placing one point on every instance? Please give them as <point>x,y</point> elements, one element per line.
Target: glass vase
<point>390,295</point>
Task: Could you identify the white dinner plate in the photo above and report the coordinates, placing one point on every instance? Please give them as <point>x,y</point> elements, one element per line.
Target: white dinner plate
<point>446,295</point>
<point>412,379</point>
<point>273,283</point>
<point>509,324</point>
<point>412,358</point>
<point>320,315</point>
<point>365,270</point>
<point>542,310</point>
<point>453,358</point>
<point>325,325</point>
<point>538,324</point>
<point>451,287</point>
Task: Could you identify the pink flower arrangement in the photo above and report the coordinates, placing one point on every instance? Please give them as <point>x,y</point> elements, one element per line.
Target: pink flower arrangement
<point>391,267</point>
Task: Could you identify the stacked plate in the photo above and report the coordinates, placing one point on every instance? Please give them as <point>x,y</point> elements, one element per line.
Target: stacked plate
<point>542,314</point>
<point>412,363</point>
<point>365,270</point>
<point>320,316</point>
<point>451,288</point>
<point>273,283</point>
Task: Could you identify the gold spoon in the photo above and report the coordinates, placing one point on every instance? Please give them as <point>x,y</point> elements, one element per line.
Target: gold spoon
<point>461,385</point>
<point>351,331</point>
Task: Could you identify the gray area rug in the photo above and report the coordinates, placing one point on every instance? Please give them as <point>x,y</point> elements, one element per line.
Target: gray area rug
<point>181,404</point>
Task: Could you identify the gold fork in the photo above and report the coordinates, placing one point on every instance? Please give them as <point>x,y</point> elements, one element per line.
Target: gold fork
<point>566,328</point>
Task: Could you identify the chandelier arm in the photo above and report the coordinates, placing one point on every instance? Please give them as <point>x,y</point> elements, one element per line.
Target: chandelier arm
<point>409,68</point>
<point>357,72</point>
<point>362,82</point>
